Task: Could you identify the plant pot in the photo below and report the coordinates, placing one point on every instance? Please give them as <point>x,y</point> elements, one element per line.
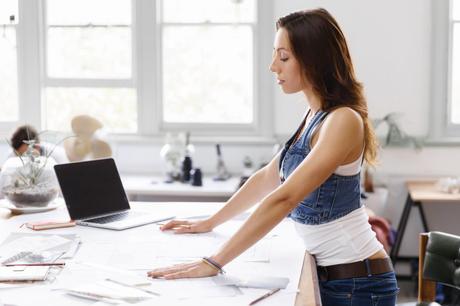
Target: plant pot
<point>29,183</point>
<point>36,196</point>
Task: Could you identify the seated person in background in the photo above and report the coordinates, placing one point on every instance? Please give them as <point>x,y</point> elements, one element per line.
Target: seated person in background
<point>28,132</point>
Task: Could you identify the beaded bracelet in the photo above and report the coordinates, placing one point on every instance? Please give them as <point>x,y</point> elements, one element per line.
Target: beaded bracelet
<point>213,264</point>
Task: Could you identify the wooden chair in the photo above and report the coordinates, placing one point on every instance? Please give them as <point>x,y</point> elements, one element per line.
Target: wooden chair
<point>439,261</point>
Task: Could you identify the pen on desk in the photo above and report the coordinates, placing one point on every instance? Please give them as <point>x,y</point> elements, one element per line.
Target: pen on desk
<point>266,295</point>
<point>36,264</point>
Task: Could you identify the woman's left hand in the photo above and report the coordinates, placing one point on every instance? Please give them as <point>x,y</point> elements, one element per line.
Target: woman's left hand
<point>186,270</point>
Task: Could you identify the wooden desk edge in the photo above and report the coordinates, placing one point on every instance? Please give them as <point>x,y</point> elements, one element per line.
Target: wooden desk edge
<point>426,191</point>
<point>308,294</point>
<point>421,182</point>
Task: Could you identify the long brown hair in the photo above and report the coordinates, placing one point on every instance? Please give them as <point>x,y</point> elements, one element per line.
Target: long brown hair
<point>321,49</point>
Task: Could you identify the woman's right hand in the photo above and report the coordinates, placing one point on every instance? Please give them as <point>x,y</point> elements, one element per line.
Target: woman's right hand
<point>186,226</point>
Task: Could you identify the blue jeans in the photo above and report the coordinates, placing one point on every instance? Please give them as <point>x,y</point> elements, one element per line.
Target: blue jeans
<point>376,290</point>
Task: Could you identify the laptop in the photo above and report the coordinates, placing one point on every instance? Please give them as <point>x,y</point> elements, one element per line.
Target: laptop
<point>94,196</point>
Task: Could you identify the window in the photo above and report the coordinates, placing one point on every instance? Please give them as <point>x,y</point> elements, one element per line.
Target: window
<point>8,62</point>
<point>445,126</point>
<point>89,66</point>
<point>455,67</point>
<point>141,67</point>
<point>207,58</point>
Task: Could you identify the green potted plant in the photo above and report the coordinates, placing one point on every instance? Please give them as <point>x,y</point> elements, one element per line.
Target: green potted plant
<point>395,136</point>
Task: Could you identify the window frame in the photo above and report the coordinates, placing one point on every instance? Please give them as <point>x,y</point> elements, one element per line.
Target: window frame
<point>174,126</point>
<point>17,25</point>
<point>29,76</point>
<point>442,129</point>
<point>145,78</point>
<point>47,81</point>
<point>7,124</point>
<point>263,116</point>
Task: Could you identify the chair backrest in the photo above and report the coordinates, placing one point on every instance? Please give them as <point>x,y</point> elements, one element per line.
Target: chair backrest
<point>439,261</point>
<point>442,259</point>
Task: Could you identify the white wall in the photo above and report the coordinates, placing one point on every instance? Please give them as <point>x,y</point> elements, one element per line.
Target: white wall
<point>389,43</point>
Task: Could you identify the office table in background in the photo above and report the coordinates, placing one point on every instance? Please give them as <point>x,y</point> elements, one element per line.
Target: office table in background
<point>154,189</point>
<point>419,191</point>
<point>287,258</point>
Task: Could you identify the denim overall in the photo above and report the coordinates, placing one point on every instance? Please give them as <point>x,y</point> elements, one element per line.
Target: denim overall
<point>335,198</point>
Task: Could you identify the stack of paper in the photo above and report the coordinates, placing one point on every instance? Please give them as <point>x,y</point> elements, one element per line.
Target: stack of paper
<point>31,248</point>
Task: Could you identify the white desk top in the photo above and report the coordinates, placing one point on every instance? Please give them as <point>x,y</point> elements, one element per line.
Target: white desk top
<point>286,256</point>
<point>155,185</point>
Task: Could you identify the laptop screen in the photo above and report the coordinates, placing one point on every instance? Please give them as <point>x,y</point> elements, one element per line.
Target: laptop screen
<point>91,188</point>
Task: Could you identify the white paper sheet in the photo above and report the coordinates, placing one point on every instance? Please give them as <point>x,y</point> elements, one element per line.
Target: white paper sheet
<point>108,290</point>
<point>192,247</point>
<point>34,273</point>
<point>77,273</point>
<point>257,281</point>
<point>192,288</point>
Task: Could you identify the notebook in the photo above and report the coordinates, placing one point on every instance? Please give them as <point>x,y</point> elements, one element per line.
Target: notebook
<point>94,196</point>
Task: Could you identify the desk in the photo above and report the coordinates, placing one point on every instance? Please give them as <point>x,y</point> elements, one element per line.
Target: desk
<point>287,258</point>
<point>153,188</point>
<point>418,192</point>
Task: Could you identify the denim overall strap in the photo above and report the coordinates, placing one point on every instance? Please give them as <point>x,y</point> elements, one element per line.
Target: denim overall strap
<point>297,139</point>
<point>319,117</point>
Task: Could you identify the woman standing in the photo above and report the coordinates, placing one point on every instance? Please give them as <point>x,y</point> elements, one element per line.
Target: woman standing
<point>315,180</point>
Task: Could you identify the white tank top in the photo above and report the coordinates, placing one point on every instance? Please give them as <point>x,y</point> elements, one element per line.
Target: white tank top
<point>351,168</point>
<point>345,240</point>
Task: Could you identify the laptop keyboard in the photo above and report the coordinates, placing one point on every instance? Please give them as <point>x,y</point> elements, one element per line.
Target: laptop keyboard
<point>108,219</point>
